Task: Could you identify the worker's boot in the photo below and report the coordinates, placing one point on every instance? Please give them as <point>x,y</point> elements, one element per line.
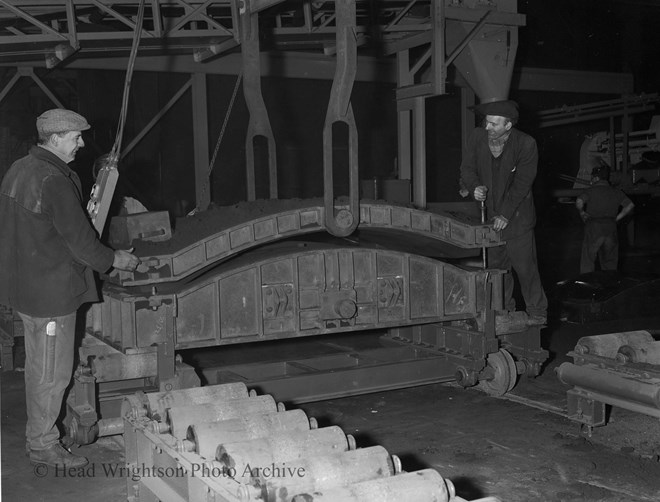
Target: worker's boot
<point>510,322</point>
<point>57,456</point>
<point>537,320</point>
<point>67,442</point>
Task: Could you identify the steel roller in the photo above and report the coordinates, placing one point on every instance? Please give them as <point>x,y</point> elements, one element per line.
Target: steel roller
<point>204,438</point>
<point>181,417</point>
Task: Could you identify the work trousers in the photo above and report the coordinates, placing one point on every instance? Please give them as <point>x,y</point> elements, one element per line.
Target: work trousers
<point>600,240</point>
<point>519,253</point>
<point>49,353</point>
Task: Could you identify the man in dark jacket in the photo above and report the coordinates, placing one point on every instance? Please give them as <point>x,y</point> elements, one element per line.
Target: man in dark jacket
<point>599,209</point>
<point>499,167</point>
<point>48,254</point>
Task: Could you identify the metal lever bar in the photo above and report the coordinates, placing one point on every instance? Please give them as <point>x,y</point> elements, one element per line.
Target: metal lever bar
<point>483,245</point>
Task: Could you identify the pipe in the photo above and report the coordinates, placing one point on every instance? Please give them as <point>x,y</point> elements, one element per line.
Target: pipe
<point>110,426</point>
<point>608,383</point>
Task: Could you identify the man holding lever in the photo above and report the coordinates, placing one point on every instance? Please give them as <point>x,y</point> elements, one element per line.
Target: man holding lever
<point>498,168</point>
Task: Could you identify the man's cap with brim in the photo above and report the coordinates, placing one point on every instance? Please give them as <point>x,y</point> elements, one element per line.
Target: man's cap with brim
<point>59,120</point>
<point>505,108</point>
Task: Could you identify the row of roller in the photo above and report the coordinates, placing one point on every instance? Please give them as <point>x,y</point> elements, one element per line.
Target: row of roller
<point>625,347</point>
<point>271,454</point>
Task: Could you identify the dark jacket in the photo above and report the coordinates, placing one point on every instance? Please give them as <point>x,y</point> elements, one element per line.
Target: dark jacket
<point>510,189</point>
<point>48,247</point>
<point>602,202</point>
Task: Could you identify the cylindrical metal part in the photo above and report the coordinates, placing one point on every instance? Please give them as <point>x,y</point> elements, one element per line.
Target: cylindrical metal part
<point>648,353</point>
<point>426,485</point>
<point>207,436</point>
<point>157,403</point>
<point>113,367</point>
<point>181,417</point>
<point>110,426</point>
<point>310,474</point>
<point>278,448</point>
<point>608,383</point>
<point>608,345</point>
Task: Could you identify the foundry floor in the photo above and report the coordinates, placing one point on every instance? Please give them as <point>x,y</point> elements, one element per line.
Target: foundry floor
<point>487,446</point>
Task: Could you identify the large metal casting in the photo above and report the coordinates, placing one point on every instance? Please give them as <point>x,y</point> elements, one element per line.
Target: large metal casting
<point>291,291</point>
<point>304,463</point>
<point>294,219</point>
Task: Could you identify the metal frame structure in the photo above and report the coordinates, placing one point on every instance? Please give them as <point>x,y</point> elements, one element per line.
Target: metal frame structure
<point>412,43</point>
<point>419,32</point>
<point>618,149</point>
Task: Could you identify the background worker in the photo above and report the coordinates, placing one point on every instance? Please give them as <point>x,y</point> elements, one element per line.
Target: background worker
<point>498,168</point>
<point>599,209</point>
<point>48,254</point>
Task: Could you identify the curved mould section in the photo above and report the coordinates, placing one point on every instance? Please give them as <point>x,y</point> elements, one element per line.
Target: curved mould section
<point>292,294</point>
<point>174,265</point>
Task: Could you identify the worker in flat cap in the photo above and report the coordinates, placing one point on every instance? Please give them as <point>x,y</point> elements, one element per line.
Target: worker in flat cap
<point>48,254</point>
<point>601,207</point>
<point>498,168</point>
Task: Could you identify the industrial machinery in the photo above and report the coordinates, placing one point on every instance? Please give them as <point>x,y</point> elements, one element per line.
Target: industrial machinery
<point>246,283</point>
<point>227,444</point>
<point>618,369</point>
<point>631,154</point>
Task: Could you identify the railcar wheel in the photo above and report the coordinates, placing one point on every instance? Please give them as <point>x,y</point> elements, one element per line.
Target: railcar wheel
<point>502,374</point>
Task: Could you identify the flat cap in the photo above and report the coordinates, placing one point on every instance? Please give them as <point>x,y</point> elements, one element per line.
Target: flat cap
<point>60,120</point>
<point>507,108</point>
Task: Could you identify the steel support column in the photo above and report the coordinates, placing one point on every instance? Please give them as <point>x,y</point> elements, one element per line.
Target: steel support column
<point>404,152</point>
<point>200,140</point>
<point>411,133</point>
<point>419,152</point>
<point>468,118</point>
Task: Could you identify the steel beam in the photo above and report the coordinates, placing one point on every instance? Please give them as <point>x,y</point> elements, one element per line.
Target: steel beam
<point>587,82</point>
<point>201,140</point>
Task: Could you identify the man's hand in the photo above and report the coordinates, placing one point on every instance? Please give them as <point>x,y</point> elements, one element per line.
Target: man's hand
<point>480,193</point>
<point>584,215</point>
<point>500,223</point>
<point>125,260</point>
